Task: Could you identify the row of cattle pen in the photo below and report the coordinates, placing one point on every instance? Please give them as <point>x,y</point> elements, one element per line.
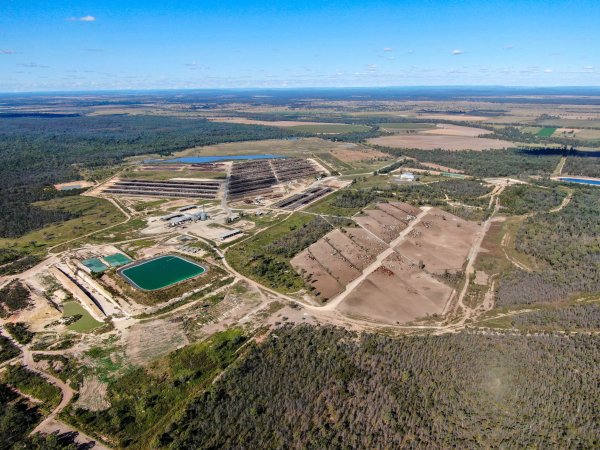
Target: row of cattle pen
<point>247,179</point>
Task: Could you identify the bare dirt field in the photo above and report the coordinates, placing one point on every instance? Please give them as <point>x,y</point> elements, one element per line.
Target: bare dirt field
<point>459,118</point>
<point>397,292</point>
<point>315,275</point>
<point>441,168</point>
<point>358,154</point>
<point>432,142</point>
<point>336,259</point>
<point>441,241</point>
<point>147,341</point>
<point>333,260</point>
<point>350,250</point>
<point>381,224</point>
<point>455,130</point>
<point>369,243</point>
<point>92,395</point>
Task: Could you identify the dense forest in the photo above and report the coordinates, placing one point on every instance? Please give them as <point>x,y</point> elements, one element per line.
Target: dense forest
<point>571,317</point>
<point>567,243</point>
<point>17,418</point>
<point>488,163</point>
<point>308,387</point>
<point>13,297</point>
<point>582,165</point>
<point>434,194</point>
<point>523,199</point>
<point>36,153</point>
<point>8,350</point>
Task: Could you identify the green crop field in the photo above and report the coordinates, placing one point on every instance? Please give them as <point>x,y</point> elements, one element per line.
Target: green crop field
<point>161,272</point>
<point>546,132</point>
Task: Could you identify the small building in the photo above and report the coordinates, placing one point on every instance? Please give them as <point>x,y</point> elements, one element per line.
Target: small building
<point>232,218</point>
<point>179,220</point>
<point>407,176</point>
<point>186,208</point>
<point>230,233</point>
<point>170,217</point>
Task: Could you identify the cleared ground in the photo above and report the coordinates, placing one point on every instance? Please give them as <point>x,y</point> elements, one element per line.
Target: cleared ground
<point>397,292</point>
<point>441,241</point>
<point>455,130</point>
<point>432,142</point>
<point>340,256</point>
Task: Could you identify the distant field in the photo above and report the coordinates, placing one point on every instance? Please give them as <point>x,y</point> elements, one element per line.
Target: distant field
<point>406,127</point>
<point>532,130</point>
<point>433,141</point>
<point>546,132</point>
<point>305,127</point>
<point>333,128</point>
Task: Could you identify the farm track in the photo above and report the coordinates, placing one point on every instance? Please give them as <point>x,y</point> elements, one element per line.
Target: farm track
<point>51,424</point>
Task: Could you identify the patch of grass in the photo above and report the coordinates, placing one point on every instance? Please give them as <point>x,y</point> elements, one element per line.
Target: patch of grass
<point>546,132</point>
<point>94,214</point>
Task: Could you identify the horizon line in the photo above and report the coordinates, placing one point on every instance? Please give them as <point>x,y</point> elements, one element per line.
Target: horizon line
<point>307,88</point>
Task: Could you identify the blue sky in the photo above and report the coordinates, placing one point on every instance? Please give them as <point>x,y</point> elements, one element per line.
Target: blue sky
<point>148,44</point>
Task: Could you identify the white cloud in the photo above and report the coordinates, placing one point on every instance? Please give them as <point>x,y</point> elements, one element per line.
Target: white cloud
<point>457,52</point>
<point>7,52</point>
<point>82,19</point>
<point>547,70</point>
<point>32,65</point>
<point>389,49</point>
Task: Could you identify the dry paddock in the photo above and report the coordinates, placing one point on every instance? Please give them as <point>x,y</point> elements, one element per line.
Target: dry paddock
<point>441,241</point>
<point>432,142</point>
<point>397,292</point>
<point>339,257</point>
<point>406,286</point>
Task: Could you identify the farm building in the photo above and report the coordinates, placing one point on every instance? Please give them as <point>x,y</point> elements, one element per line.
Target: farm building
<point>229,234</point>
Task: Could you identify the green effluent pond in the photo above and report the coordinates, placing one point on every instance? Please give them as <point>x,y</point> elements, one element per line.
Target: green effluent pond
<point>161,272</point>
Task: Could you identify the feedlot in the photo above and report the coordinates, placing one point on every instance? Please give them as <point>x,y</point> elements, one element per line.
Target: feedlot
<point>304,198</point>
<point>397,292</point>
<point>386,270</point>
<point>440,240</point>
<point>387,220</point>
<point>258,177</point>
<point>170,188</point>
